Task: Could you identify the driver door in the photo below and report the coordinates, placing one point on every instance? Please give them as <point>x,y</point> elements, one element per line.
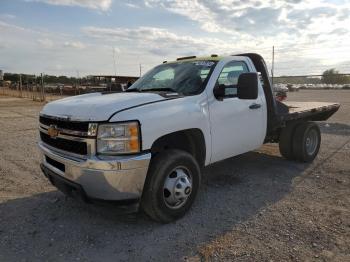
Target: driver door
<point>236,126</point>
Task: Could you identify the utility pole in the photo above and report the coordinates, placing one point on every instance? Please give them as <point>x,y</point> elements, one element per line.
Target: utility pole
<point>35,89</point>
<point>140,69</point>
<point>273,64</point>
<point>27,88</point>
<point>77,83</point>
<point>20,85</point>
<point>42,98</point>
<point>114,63</point>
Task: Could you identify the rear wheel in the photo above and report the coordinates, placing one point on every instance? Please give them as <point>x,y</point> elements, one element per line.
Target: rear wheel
<point>286,141</point>
<point>171,186</point>
<point>306,141</point>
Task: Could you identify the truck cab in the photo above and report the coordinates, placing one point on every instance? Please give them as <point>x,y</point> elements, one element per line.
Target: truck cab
<point>149,144</point>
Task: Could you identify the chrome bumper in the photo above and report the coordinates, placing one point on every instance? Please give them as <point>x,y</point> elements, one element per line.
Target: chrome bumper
<point>105,178</point>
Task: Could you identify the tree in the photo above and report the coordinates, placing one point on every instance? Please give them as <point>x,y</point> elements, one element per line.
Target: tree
<point>332,76</point>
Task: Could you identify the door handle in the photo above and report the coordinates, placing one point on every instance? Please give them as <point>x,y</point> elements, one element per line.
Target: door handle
<point>254,106</point>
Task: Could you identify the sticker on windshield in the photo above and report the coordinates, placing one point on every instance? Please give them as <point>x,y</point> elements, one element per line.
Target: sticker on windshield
<point>204,63</point>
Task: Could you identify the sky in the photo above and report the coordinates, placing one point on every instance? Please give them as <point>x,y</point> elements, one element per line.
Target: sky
<point>82,37</point>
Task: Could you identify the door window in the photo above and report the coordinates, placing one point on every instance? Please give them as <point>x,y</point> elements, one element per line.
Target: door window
<point>228,77</point>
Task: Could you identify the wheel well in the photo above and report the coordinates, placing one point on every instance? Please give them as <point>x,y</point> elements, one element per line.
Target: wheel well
<point>189,140</point>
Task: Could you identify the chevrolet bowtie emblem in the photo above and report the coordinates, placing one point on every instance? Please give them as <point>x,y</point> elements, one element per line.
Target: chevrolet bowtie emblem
<point>53,131</point>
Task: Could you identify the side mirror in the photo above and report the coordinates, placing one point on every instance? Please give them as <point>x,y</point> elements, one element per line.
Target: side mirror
<point>219,91</point>
<point>247,86</point>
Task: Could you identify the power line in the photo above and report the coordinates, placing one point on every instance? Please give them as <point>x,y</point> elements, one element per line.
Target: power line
<point>273,62</point>
<point>310,76</point>
<point>299,47</point>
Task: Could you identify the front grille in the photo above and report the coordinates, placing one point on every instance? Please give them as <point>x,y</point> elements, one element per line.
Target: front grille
<point>75,147</point>
<point>56,164</point>
<point>65,124</point>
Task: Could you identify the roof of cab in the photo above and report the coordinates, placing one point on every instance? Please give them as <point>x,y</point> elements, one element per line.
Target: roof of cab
<point>195,58</point>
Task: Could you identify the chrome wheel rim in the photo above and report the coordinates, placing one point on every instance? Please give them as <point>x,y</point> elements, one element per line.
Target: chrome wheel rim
<point>311,142</point>
<point>177,188</point>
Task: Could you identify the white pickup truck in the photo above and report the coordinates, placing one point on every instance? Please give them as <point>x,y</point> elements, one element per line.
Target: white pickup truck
<point>149,144</point>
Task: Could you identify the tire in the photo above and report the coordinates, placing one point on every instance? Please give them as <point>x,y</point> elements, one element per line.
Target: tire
<point>286,141</point>
<point>167,170</point>
<point>306,141</point>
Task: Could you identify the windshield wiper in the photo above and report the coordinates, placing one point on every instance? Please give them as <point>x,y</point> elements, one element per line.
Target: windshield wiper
<point>132,90</point>
<point>159,89</point>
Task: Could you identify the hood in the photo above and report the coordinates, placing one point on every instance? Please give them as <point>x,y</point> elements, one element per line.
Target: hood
<point>97,106</point>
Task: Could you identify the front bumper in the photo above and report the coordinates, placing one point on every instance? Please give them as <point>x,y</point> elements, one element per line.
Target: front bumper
<point>107,178</point>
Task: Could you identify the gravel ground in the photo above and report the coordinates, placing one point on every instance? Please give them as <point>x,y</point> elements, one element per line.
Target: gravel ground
<point>254,207</point>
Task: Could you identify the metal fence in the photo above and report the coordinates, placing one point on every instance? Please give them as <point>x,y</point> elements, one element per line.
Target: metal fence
<point>34,92</point>
<point>48,92</point>
<point>47,88</point>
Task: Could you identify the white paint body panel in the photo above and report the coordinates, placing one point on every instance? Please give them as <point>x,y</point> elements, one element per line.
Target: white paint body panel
<point>159,119</point>
<point>96,106</point>
<point>229,126</point>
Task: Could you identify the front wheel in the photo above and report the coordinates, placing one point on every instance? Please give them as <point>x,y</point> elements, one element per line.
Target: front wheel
<point>171,186</point>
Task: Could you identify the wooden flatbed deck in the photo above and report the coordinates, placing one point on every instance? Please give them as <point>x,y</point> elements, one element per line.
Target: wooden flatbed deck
<point>316,111</point>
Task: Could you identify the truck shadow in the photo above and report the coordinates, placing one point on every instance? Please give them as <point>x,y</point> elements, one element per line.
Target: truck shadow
<point>54,227</point>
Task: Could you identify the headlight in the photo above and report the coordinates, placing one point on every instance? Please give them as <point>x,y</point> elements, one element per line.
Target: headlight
<point>122,138</point>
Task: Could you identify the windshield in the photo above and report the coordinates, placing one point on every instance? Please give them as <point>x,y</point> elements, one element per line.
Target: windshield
<point>187,78</point>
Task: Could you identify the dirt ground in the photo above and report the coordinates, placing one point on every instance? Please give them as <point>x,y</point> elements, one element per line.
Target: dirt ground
<point>254,207</point>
